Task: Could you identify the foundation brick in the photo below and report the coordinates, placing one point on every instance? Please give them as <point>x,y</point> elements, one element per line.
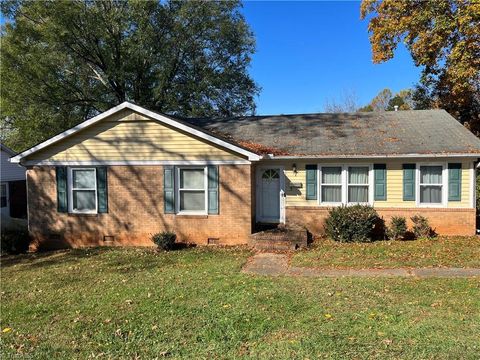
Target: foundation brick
<point>445,221</point>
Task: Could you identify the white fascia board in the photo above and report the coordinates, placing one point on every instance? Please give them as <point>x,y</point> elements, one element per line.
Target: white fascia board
<point>163,119</point>
<point>69,132</point>
<point>135,162</point>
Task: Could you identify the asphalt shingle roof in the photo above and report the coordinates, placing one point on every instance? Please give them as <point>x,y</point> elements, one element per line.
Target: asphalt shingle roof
<point>368,133</point>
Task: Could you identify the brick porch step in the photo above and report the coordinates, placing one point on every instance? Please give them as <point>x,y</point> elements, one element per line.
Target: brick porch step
<point>280,238</point>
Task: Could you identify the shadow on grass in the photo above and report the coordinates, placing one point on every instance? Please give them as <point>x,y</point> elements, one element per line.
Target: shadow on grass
<point>71,256</point>
<point>47,258</point>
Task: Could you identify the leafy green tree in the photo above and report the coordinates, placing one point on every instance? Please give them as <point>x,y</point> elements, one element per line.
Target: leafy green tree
<point>403,99</point>
<point>385,100</point>
<point>65,61</point>
<point>443,37</point>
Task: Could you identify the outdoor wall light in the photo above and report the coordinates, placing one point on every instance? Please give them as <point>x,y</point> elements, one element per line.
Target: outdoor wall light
<point>294,168</point>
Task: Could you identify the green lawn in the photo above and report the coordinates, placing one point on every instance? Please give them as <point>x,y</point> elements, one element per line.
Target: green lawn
<point>195,304</point>
<point>438,252</point>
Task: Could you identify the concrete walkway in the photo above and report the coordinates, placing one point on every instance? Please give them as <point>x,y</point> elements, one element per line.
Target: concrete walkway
<point>277,264</point>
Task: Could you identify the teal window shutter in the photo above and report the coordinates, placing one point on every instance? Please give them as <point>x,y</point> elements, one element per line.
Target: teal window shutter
<point>62,196</point>
<point>311,171</point>
<point>169,189</point>
<point>380,180</point>
<point>454,182</point>
<point>213,189</point>
<point>409,182</point>
<point>102,190</point>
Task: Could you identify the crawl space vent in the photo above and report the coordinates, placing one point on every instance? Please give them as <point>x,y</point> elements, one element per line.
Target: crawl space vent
<point>213,241</point>
<point>108,238</point>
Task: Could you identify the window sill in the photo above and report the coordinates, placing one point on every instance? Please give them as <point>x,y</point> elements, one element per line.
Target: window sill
<point>192,216</point>
<point>83,214</point>
<point>431,205</point>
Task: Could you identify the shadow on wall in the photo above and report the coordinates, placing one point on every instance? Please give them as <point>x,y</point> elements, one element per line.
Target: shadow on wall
<point>135,204</point>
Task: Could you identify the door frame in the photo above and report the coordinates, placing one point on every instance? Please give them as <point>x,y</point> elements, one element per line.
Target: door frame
<point>281,195</point>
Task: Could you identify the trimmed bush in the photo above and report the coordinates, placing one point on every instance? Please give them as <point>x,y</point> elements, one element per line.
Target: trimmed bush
<point>165,240</point>
<point>397,228</point>
<point>421,227</point>
<point>14,241</point>
<point>351,223</point>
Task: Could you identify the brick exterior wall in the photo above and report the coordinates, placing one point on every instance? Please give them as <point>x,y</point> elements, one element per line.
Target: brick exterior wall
<point>443,221</point>
<point>135,210</point>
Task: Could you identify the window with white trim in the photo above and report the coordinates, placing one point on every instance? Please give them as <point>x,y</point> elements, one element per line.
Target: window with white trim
<point>358,184</point>
<point>3,195</point>
<point>345,184</point>
<point>431,184</point>
<point>83,190</point>
<point>192,190</point>
<point>331,184</point>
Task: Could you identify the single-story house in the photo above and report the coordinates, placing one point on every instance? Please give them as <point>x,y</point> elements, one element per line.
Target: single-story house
<point>129,172</point>
<point>13,191</point>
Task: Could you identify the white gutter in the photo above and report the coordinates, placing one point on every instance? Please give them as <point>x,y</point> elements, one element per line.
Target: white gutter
<point>395,156</point>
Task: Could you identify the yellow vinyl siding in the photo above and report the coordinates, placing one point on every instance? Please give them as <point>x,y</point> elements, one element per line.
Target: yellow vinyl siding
<point>296,196</point>
<point>131,136</point>
<point>395,186</point>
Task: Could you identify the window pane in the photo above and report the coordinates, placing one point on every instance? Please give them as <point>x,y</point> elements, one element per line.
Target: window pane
<point>331,193</point>
<point>270,174</point>
<point>358,194</point>
<point>4,190</point>
<point>431,194</point>
<point>431,174</point>
<point>192,200</point>
<point>83,200</point>
<point>192,179</point>
<point>358,175</point>
<point>84,179</point>
<point>331,175</point>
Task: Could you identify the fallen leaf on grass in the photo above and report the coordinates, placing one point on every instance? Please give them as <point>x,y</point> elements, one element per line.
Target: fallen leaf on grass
<point>387,341</point>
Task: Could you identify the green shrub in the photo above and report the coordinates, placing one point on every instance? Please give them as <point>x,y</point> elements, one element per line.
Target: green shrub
<point>421,227</point>
<point>397,228</point>
<point>351,223</point>
<point>165,240</point>
<point>14,241</point>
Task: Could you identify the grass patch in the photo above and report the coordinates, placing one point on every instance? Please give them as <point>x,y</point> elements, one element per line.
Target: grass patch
<point>437,252</point>
<point>195,304</point>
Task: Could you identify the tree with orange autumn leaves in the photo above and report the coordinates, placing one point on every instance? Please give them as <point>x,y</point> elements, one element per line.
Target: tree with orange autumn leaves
<point>443,37</point>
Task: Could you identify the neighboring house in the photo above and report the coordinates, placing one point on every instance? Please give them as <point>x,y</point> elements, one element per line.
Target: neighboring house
<point>129,172</point>
<point>13,194</point>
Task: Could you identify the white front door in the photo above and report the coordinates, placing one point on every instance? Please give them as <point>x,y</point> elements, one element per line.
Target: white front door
<point>269,192</point>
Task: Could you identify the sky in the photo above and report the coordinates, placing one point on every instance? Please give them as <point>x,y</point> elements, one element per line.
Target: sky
<point>311,52</point>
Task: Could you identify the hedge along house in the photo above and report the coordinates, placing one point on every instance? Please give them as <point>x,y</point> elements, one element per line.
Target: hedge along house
<point>129,172</point>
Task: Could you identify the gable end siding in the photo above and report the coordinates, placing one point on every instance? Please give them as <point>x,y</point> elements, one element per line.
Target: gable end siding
<point>129,136</point>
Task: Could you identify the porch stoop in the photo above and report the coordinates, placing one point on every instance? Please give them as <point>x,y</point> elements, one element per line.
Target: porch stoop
<point>280,238</point>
